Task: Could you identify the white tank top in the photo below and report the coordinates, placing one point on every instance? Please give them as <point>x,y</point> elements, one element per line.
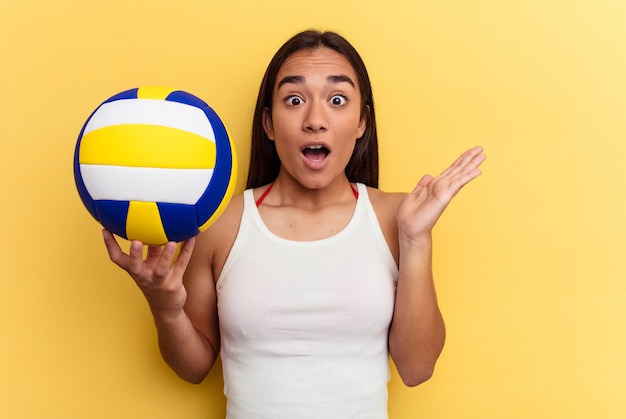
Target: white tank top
<point>304,325</point>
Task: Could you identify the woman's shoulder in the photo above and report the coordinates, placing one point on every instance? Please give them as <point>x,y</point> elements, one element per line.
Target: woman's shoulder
<point>385,202</point>
<point>213,244</point>
<point>226,226</point>
<point>385,205</point>
<point>224,229</point>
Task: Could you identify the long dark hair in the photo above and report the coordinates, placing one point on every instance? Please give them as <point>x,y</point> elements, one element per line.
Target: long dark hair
<point>264,161</point>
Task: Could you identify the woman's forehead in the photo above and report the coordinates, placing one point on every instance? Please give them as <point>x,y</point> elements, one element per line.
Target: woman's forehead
<point>322,61</point>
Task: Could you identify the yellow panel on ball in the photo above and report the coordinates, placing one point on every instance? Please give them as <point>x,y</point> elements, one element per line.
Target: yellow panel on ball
<point>126,145</point>
<point>154,92</point>
<point>144,223</point>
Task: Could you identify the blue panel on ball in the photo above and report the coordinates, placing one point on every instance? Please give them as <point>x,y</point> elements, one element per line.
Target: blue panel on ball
<point>112,216</point>
<point>179,221</point>
<point>127,94</point>
<point>213,196</point>
<point>186,98</point>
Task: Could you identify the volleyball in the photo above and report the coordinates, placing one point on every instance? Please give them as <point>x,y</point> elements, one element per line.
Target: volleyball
<point>155,164</point>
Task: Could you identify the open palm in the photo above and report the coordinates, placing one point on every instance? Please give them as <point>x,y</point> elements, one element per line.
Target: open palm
<point>421,208</point>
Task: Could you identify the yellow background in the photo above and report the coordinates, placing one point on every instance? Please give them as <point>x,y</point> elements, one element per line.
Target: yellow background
<point>530,259</point>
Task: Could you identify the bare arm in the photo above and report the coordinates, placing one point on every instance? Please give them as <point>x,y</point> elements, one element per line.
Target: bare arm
<point>417,331</point>
<point>189,346</point>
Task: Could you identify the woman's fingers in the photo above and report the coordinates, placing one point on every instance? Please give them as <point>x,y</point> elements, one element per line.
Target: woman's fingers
<point>156,265</point>
<point>474,159</point>
<point>184,256</point>
<point>114,250</point>
<point>467,161</point>
<point>470,168</point>
<point>136,263</point>
<point>163,264</point>
<point>464,169</point>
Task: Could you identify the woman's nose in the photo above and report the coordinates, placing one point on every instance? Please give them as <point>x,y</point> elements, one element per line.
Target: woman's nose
<point>315,118</point>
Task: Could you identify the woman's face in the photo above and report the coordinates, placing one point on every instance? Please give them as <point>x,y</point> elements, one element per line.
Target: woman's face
<point>315,119</point>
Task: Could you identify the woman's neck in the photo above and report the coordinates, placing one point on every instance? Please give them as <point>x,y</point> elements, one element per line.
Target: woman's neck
<point>287,191</point>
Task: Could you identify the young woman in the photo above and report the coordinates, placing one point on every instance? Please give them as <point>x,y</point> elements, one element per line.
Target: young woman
<point>312,277</point>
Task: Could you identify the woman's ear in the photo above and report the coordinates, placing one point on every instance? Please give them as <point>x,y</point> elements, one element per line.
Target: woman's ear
<point>268,126</point>
<point>363,123</point>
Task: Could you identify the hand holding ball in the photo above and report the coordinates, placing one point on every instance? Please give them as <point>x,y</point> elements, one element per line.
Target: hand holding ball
<point>155,164</point>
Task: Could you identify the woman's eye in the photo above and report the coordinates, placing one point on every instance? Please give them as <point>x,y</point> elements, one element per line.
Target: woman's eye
<point>293,101</point>
<point>338,100</point>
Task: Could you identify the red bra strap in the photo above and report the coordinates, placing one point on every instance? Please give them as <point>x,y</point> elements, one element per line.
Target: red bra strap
<point>269,188</point>
<point>354,191</point>
<point>264,194</point>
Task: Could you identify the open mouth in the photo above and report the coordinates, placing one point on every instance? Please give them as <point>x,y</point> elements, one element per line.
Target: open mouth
<point>315,152</point>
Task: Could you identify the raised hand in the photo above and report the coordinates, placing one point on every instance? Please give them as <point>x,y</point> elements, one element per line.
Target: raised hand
<point>421,208</point>
<point>159,275</point>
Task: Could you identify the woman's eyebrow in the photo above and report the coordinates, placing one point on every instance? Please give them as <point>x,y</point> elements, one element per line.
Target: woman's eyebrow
<point>340,78</point>
<point>291,79</point>
<point>332,79</point>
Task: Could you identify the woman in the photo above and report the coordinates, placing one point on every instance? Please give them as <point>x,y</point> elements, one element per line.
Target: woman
<point>312,277</point>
